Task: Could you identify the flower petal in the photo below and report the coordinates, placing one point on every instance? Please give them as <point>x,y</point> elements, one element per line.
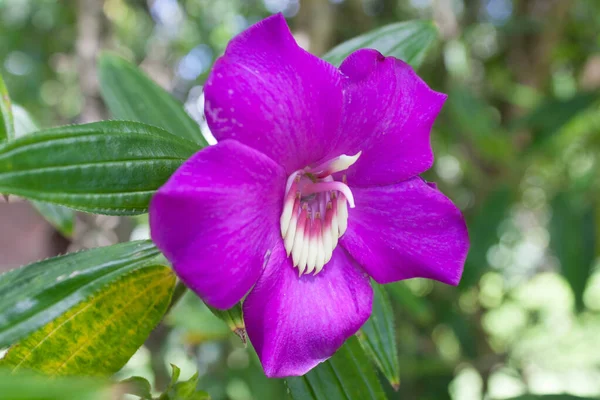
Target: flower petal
<point>216,219</point>
<point>388,114</point>
<point>273,96</point>
<point>296,322</point>
<point>405,231</point>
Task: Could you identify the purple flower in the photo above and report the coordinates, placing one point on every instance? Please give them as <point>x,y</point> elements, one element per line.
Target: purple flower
<point>312,189</point>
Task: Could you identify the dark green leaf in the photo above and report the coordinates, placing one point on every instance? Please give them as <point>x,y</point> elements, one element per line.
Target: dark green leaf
<point>60,217</point>
<point>378,339</point>
<point>138,386</point>
<point>573,239</point>
<point>36,294</point>
<point>131,95</point>
<point>99,335</point>
<point>110,167</point>
<point>6,116</point>
<point>233,318</point>
<point>25,386</point>
<point>348,375</point>
<point>408,41</point>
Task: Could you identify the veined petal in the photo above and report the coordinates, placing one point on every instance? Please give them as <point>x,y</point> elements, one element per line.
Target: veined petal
<point>296,322</point>
<point>270,94</point>
<point>407,230</point>
<point>217,219</point>
<point>388,114</point>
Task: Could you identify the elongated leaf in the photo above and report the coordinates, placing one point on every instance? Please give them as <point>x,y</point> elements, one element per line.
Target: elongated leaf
<point>6,116</point>
<point>348,375</point>
<point>131,95</point>
<point>34,295</point>
<point>60,217</point>
<point>27,386</point>
<point>408,41</point>
<point>377,336</point>
<point>98,336</point>
<point>110,167</point>
<point>573,239</point>
<point>233,318</point>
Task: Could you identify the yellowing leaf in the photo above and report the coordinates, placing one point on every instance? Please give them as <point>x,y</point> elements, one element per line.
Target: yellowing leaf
<point>99,335</point>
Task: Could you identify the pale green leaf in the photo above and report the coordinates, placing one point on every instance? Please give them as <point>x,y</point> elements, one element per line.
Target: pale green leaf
<point>99,335</point>
<point>34,295</point>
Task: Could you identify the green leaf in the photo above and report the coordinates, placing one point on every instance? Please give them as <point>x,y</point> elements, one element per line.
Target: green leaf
<point>60,217</point>
<point>27,386</point>
<point>185,390</point>
<point>6,116</point>
<point>377,336</point>
<point>233,318</point>
<point>34,295</point>
<point>137,386</point>
<point>100,334</point>
<point>573,239</point>
<point>408,41</point>
<point>131,95</point>
<point>110,167</point>
<point>348,375</point>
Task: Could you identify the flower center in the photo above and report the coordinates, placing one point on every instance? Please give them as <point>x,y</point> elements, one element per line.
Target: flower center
<point>315,213</point>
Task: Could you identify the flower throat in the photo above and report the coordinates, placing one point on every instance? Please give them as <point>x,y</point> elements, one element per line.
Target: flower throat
<point>315,213</point>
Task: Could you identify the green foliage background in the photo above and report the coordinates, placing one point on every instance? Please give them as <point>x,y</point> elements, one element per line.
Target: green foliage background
<point>517,148</point>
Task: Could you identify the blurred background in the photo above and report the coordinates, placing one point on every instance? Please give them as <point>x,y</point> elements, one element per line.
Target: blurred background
<point>517,147</point>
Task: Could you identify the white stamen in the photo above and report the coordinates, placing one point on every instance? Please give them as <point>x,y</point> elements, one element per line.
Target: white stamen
<point>304,254</point>
<point>327,243</point>
<point>320,254</point>
<point>299,236</point>
<point>291,205</point>
<point>342,219</point>
<point>313,245</point>
<point>288,242</point>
